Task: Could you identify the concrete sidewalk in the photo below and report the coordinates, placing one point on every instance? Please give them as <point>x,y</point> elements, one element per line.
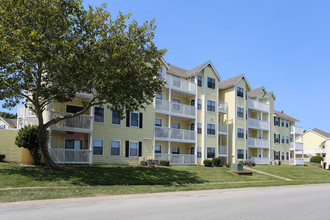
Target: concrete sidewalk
<point>258,171</point>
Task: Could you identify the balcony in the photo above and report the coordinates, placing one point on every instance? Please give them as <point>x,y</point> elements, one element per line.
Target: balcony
<point>222,150</point>
<point>81,123</point>
<point>258,106</point>
<point>223,107</point>
<point>72,156</point>
<point>258,124</point>
<point>176,159</point>
<point>222,129</point>
<point>260,160</point>
<point>297,161</point>
<point>181,85</point>
<point>296,146</point>
<point>296,130</point>
<point>258,143</point>
<point>175,109</point>
<point>175,135</point>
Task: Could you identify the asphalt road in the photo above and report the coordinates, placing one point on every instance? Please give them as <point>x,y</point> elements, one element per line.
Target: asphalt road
<point>288,202</point>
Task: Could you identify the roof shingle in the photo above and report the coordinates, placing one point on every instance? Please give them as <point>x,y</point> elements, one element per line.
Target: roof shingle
<point>326,134</point>
<point>284,116</point>
<point>229,82</point>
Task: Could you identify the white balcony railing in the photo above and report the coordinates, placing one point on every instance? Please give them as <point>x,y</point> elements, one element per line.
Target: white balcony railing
<point>296,130</point>
<point>222,149</point>
<point>258,143</point>
<point>297,161</point>
<point>177,158</point>
<point>223,106</point>
<point>315,151</point>
<point>181,135</point>
<point>62,155</point>
<point>259,106</point>
<point>222,128</point>
<point>178,109</point>
<point>81,122</point>
<point>180,84</point>
<point>260,160</point>
<point>258,124</point>
<point>296,146</point>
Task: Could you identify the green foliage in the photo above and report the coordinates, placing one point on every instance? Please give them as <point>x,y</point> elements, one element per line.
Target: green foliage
<point>316,159</point>
<point>8,115</point>
<point>216,162</point>
<point>143,163</point>
<point>2,157</point>
<point>207,163</point>
<point>249,163</point>
<point>27,137</point>
<point>228,165</point>
<point>164,162</point>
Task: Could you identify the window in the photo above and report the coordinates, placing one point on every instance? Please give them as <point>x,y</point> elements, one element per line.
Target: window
<point>287,139</point>
<point>240,132</point>
<point>240,154</point>
<point>73,109</point>
<point>192,126</point>
<point>192,151</point>
<point>192,102</point>
<point>176,125</point>
<point>240,92</point>
<point>98,147</point>
<point>210,83</point>
<point>192,79</point>
<point>287,155</point>
<point>240,112</point>
<point>282,139</point>
<point>282,123</point>
<point>158,149</point>
<point>199,81</point>
<point>176,105</point>
<point>115,118</point>
<point>199,104</point>
<point>175,150</point>
<point>246,114</point>
<point>211,129</point>
<point>246,134</point>
<point>276,155</point>
<point>246,94</point>
<point>286,124</point>
<point>290,139</point>
<point>134,119</point>
<point>133,149</point>
<point>159,95</point>
<point>158,122</point>
<point>2,127</point>
<point>115,148</point>
<point>277,121</point>
<point>210,152</point>
<point>277,138</point>
<point>283,156</point>
<point>199,128</point>
<point>210,106</point>
<point>199,152</point>
<point>99,114</point>
<point>160,70</point>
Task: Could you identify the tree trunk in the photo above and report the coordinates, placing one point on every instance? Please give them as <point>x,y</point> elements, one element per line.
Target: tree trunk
<point>42,137</point>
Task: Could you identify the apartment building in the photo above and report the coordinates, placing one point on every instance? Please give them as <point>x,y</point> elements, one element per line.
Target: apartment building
<point>197,116</point>
<point>6,123</point>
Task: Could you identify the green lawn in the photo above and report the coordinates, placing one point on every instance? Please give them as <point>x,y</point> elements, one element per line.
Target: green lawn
<point>84,181</point>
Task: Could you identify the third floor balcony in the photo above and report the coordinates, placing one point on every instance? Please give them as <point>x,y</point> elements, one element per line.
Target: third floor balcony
<point>258,124</point>
<point>81,123</point>
<point>296,130</point>
<point>175,109</point>
<point>258,106</point>
<point>179,84</point>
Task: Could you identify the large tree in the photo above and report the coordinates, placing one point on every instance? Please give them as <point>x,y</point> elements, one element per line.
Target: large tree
<point>50,50</point>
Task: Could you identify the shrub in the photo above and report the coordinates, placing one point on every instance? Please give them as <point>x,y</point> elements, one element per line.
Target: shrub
<point>249,163</point>
<point>27,137</point>
<point>143,163</point>
<point>164,163</point>
<point>316,159</point>
<point>216,161</point>
<point>2,157</point>
<point>207,163</point>
<point>228,165</point>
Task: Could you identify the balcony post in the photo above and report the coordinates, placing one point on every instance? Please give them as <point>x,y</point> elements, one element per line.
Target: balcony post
<point>90,137</point>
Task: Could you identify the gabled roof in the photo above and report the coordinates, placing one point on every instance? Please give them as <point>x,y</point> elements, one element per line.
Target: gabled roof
<point>323,133</point>
<point>188,73</point>
<point>232,82</point>
<point>284,116</point>
<point>9,122</point>
<point>255,92</point>
<point>163,60</point>
<point>268,94</point>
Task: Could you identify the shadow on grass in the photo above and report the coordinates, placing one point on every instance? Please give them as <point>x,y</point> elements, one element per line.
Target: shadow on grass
<point>107,175</point>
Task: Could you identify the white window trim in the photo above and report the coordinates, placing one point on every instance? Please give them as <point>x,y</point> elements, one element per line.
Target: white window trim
<point>215,83</point>
<point>201,80</point>
<point>130,120</point>
<point>161,147</point>
<point>237,113</point>
<point>176,147</point>
<point>237,133</point>
<point>129,149</point>
<point>201,104</point>
<point>176,123</point>
<point>94,115</point>
<point>214,152</point>
<point>119,149</point>
<point>82,143</point>
<point>215,129</point>
<point>214,106</point>
<point>112,120</point>
<point>237,92</point>
<point>102,147</point>
<point>161,122</point>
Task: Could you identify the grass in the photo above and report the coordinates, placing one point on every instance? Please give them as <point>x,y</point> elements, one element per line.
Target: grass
<point>84,181</point>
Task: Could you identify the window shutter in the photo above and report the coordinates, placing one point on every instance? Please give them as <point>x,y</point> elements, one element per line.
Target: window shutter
<point>141,120</point>
<point>127,149</point>
<point>274,139</point>
<point>127,119</point>
<point>140,149</point>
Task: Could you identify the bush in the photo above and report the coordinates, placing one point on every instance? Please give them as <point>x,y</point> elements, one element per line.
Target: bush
<point>27,137</point>
<point>216,161</point>
<point>316,159</point>
<point>164,163</point>
<point>143,163</point>
<point>2,157</point>
<point>249,163</point>
<point>207,163</point>
<point>227,165</point>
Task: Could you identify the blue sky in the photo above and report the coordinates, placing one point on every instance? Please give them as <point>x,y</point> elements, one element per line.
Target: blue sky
<point>282,45</point>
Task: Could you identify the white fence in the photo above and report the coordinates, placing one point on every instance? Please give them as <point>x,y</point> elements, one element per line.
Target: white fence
<point>297,161</point>
<point>258,124</point>
<point>296,130</point>
<point>297,146</point>
<point>222,128</point>
<point>260,160</point>
<point>223,106</point>
<point>180,84</point>
<point>258,143</point>
<point>62,155</point>
<point>84,122</point>
<point>177,158</point>
<point>175,108</point>
<point>256,105</point>
<point>222,149</point>
<point>176,134</point>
